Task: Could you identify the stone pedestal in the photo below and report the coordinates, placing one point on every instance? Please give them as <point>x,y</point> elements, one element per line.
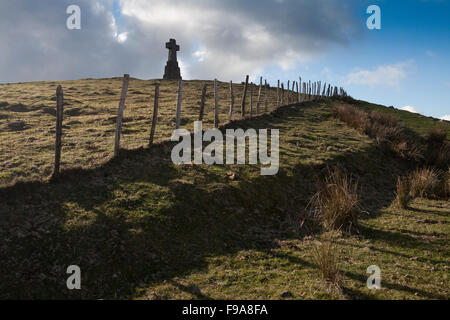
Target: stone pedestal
<point>172,71</point>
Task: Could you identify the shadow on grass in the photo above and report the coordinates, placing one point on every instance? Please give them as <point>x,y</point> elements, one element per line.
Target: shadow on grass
<point>139,219</point>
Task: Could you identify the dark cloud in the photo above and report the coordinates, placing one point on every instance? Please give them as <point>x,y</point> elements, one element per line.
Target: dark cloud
<point>223,39</point>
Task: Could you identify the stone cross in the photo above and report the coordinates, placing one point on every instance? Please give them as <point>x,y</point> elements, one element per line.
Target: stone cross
<point>173,48</point>
<point>172,71</point>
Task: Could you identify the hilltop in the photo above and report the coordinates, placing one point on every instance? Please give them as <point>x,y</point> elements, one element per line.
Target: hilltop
<point>141,227</point>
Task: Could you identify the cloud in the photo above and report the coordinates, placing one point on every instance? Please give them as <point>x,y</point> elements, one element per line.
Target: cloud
<point>386,75</point>
<point>410,109</point>
<point>446,117</point>
<point>218,39</point>
<point>430,53</point>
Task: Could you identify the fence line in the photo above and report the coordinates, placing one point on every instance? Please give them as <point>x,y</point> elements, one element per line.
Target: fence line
<point>304,91</point>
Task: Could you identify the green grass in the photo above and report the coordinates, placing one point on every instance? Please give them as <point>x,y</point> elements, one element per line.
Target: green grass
<point>140,227</point>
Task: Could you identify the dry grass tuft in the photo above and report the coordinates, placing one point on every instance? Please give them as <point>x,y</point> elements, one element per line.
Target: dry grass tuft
<point>403,192</point>
<point>425,183</point>
<point>337,202</point>
<point>437,135</point>
<point>325,256</point>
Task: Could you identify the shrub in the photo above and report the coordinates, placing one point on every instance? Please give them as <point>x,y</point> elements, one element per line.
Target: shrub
<point>403,192</point>
<point>337,202</point>
<point>425,183</point>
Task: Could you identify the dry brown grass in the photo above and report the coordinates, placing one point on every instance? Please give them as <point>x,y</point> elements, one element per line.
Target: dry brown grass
<point>426,183</point>
<point>337,202</point>
<point>447,183</point>
<point>403,192</point>
<point>390,135</point>
<point>325,256</point>
<point>437,135</point>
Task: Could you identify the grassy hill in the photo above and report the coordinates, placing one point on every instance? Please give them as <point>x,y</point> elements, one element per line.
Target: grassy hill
<point>141,227</point>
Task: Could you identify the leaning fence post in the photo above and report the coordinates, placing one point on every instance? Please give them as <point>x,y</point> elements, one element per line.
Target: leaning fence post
<point>230,114</point>
<point>244,96</point>
<point>296,87</point>
<point>216,105</point>
<point>202,103</point>
<point>155,115</point>
<point>58,139</point>
<point>251,99</point>
<point>266,102</point>
<point>180,95</point>
<point>126,78</point>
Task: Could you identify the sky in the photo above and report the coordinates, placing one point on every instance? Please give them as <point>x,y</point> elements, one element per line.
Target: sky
<point>405,64</point>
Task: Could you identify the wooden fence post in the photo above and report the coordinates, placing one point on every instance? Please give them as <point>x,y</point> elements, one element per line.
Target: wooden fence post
<point>251,99</point>
<point>216,105</point>
<point>180,95</point>
<point>293,91</point>
<point>309,89</point>
<point>230,114</point>
<point>288,97</point>
<point>282,93</point>
<point>314,90</point>
<point>298,94</point>
<point>58,138</point>
<point>304,91</point>
<point>258,102</point>
<point>155,115</point>
<point>278,93</point>
<point>299,89</point>
<point>123,96</point>
<point>202,103</point>
<point>244,96</point>
<point>266,102</point>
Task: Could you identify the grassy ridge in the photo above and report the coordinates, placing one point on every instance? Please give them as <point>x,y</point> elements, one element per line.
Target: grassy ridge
<point>140,227</point>
<point>420,124</point>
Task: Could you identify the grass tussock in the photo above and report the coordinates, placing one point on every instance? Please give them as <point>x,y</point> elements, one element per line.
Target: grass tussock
<point>437,135</point>
<point>325,256</point>
<point>337,202</point>
<point>447,183</point>
<point>428,183</point>
<point>403,192</point>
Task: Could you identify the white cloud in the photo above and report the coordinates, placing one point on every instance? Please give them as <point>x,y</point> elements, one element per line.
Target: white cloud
<point>430,53</point>
<point>446,117</point>
<point>122,37</point>
<point>410,109</point>
<point>386,75</point>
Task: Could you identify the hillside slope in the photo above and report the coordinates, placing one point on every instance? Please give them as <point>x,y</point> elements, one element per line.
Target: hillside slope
<point>141,227</point>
